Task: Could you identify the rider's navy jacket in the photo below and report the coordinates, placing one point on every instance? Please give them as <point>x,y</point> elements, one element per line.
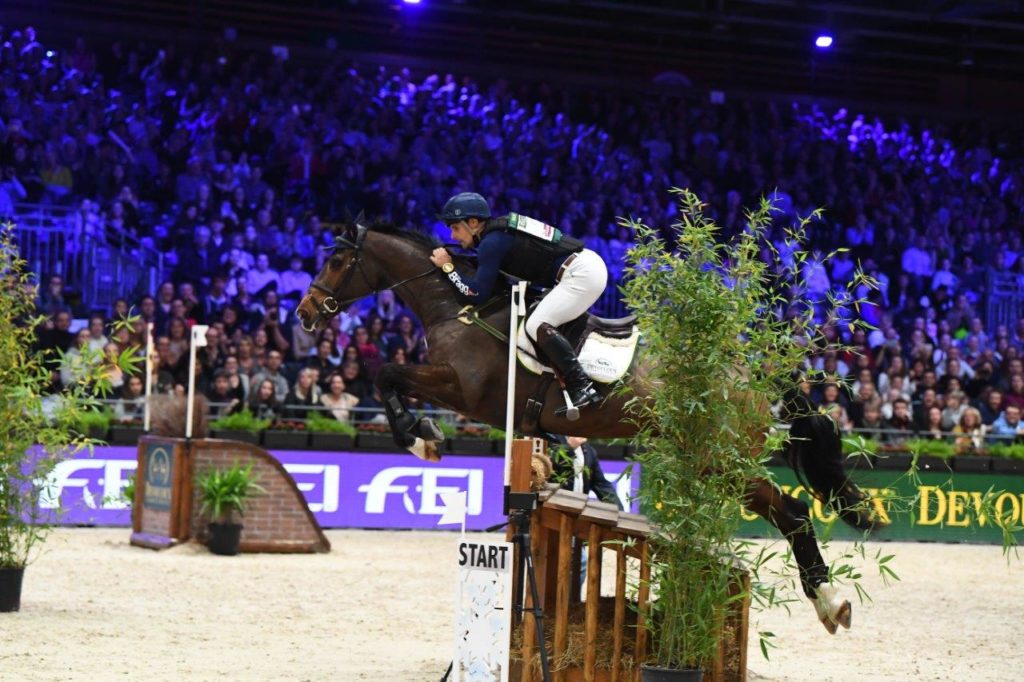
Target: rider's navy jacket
<point>501,250</point>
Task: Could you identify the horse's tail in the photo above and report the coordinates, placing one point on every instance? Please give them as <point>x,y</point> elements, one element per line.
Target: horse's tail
<point>815,451</point>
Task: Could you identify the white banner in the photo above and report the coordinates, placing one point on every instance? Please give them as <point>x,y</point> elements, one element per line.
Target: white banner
<point>483,611</point>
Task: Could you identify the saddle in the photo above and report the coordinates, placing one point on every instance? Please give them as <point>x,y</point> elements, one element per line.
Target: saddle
<point>606,348</point>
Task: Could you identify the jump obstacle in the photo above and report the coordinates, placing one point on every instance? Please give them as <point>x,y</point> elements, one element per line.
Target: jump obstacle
<point>560,525</point>
<point>165,511</point>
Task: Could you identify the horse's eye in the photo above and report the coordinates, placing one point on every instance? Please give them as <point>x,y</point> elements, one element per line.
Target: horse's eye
<point>335,262</point>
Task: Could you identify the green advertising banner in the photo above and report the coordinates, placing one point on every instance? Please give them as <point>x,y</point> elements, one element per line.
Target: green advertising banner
<point>939,507</point>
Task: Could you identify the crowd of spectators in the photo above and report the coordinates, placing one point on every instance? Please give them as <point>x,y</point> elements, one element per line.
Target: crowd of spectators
<point>234,164</point>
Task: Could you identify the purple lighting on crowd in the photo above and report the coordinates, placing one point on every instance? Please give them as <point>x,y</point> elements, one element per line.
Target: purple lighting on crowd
<point>824,41</point>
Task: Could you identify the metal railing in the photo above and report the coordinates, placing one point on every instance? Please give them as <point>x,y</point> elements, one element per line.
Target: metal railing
<point>99,268</point>
<point>1005,299</point>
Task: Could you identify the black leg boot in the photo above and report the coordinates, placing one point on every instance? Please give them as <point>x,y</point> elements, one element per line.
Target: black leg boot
<point>560,353</point>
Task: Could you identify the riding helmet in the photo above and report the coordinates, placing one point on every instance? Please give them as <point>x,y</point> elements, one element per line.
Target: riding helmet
<point>464,205</point>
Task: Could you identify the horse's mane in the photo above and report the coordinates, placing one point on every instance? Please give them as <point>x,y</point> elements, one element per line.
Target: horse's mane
<point>415,236</point>
<point>419,238</point>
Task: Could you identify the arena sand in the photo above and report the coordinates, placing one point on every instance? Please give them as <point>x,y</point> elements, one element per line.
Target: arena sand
<point>379,607</point>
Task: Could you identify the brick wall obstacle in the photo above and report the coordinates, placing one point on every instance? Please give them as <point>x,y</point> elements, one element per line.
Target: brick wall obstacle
<point>166,509</point>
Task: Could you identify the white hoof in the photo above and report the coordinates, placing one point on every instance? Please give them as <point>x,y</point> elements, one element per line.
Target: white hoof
<point>832,609</point>
<point>425,450</point>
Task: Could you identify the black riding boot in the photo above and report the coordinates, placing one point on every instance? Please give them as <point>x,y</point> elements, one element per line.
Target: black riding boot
<point>577,383</point>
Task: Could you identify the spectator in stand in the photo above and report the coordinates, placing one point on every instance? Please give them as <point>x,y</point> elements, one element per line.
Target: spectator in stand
<point>932,428</point>
<point>263,402</point>
<point>295,281</point>
<point>272,372</point>
<point>51,299</point>
<point>304,396</point>
<point>970,430</point>
<point>262,277</point>
<point>337,400</point>
<point>1007,428</point>
<point>223,400</point>
<point>131,403</point>
<point>901,421</point>
<point>1015,395</point>
<point>238,382</point>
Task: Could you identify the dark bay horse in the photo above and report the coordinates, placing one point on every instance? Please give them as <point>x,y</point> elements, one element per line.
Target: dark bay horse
<point>468,373</point>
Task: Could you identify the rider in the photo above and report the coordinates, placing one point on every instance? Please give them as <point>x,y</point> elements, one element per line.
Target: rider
<point>540,254</point>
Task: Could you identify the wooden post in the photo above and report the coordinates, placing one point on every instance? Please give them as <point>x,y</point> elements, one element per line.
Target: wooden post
<point>643,595</point>
<point>593,601</point>
<point>620,611</point>
<point>563,593</point>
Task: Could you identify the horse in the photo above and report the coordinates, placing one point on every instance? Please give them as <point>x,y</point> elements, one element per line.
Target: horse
<point>467,372</point>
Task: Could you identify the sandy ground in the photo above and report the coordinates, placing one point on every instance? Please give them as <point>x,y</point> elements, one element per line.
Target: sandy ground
<point>379,607</point>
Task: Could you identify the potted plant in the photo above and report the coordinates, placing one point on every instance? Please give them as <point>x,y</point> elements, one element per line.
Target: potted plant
<point>373,437</point>
<point>223,495</point>
<point>241,426</point>
<point>286,434</point>
<point>929,454</point>
<point>95,423</point>
<point>327,433</point>
<point>125,432</point>
<point>704,305</point>
<point>1007,459</point>
<point>38,428</point>
<point>469,439</point>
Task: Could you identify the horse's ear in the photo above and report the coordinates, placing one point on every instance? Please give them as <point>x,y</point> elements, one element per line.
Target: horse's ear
<point>361,219</point>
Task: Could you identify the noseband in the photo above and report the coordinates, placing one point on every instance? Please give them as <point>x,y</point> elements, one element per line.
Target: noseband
<point>330,305</point>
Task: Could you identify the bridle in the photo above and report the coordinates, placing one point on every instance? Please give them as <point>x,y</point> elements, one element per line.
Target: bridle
<point>330,305</point>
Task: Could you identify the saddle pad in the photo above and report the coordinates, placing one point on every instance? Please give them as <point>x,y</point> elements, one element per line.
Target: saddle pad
<point>604,360</point>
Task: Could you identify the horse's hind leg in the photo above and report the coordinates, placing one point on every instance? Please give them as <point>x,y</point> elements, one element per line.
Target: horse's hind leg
<point>792,517</point>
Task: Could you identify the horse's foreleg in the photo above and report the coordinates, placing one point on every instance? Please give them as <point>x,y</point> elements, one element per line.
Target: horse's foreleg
<point>792,517</point>
<point>419,436</point>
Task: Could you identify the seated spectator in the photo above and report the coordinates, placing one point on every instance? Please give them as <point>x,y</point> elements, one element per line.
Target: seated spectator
<point>237,381</point>
<point>369,353</point>
<point>113,372</point>
<point>295,281</point>
<point>131,405</point>
<point>223,399</point>
<point>304,395</point>
<point>1007,427</point>
<point>97,336</point>
<point>991,406</point>
<point>970,430</point>
<point>51,299</point>
<point>337,400</point>
<point>932,427</point>
<point>871,421</point>
<point>356,382</point>
<point>1015,395</point>
<point>955,406</point>
<point>272,372</point>
<point>262,277</point>
<point>901,423</point>
<point>178,340</point>
<point>263,402</point>
<point>75,363</point>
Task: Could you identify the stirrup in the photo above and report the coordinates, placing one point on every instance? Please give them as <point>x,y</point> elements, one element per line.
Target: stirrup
<point>572,412</point>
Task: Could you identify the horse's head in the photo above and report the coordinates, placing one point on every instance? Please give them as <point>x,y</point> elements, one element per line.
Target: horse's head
<point>342,279</point>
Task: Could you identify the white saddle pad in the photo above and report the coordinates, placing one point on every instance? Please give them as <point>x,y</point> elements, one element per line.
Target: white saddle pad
<point>604,360</point>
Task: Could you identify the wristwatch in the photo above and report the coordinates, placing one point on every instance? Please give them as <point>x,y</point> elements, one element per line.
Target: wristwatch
<point>448,268</point>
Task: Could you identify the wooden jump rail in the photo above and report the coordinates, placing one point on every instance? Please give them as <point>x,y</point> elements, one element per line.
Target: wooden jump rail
<point>565,520</point>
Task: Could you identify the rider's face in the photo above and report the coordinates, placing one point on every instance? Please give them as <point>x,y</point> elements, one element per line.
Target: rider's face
<point>462,232</point>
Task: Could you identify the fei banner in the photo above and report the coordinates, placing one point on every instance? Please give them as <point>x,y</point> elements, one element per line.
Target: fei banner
<point>370,490</point>
<point>343,489</point>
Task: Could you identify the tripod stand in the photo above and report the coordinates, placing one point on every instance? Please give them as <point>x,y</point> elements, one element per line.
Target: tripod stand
<point>520,514</point>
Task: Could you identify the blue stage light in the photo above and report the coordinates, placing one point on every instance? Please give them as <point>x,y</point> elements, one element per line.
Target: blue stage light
<point>411,2</point>
<point>824,41</point>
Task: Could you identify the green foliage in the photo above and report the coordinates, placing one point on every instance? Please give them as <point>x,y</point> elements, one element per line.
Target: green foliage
<point>447,428</point>
<point>240,421</point>
<point>708,310</point>
<point>94,420</point>
<point>857,445</point>
<point>495,434</point>
<point>929,447</point>
<point>224,492</point>
<point>30,415</point>
<point>321,424</point>
<point>1011,451</point>
<point>128,491</point>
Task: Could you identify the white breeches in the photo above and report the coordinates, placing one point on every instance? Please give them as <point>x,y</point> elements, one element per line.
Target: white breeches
<point>581,285</point>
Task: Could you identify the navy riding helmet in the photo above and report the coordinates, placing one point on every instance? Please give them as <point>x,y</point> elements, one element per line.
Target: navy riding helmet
<point>464,205</point>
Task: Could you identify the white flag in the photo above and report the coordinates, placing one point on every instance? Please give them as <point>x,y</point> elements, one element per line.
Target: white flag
<point>199,335</point>
<point>454,505</point>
